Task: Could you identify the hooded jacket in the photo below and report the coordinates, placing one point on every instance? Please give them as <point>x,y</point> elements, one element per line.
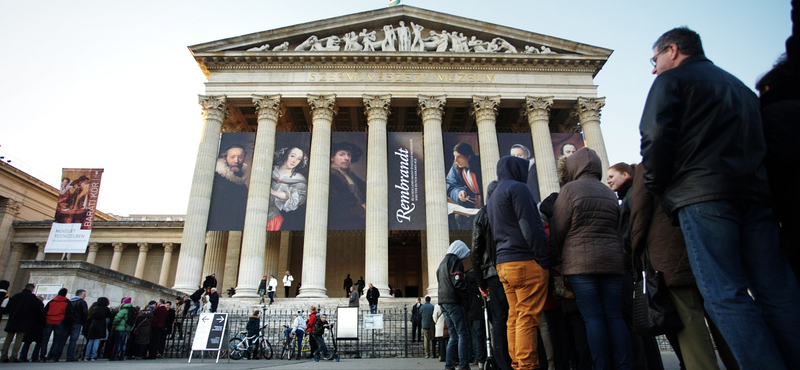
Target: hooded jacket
<point>585,218</point>
<point>484,251</point>
<point>453,287</point>
<point>57,311</point>
<point>516,225</point>
<point>121,319</point>
<point>80,310</point>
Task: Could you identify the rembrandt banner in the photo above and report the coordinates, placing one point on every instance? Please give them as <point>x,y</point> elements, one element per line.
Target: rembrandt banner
<point>289,190</point>
<point>231,181</point>
<point>347,200</point>
<point>406,181</point>
<point>77,199</point>
<point>463,179</point>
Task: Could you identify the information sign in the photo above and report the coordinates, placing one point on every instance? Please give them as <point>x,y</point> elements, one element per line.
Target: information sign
<point>211,333</point>
<point>373,321</point>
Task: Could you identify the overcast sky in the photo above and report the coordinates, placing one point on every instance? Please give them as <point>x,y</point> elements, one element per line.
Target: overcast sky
<point>109,84</point>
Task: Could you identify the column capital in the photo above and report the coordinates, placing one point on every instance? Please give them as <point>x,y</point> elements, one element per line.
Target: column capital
<point>537,107</point>
<point>268,107</point>
<point>143,247</point>
<point>17,247</point>
<point>10,206</point>
<point>168,247</point>
<point>94,247</point>
<point>588,109</point>
<point>40,246</point>
<point>323,106</point>
<point>484,107</point>
<point>214,106</point>
<point>431,106</point>
<point>118,247</point>
<point>377,106</point>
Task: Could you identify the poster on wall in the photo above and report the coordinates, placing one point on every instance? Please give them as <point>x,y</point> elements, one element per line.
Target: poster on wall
<point>566,144</point>
<point>77,199</point>
<point>520,145</point>
<point>289,188</point>
<point>347,200</point>
<point>406,181</point>
<point>231,181</point>
<point>463,178</point>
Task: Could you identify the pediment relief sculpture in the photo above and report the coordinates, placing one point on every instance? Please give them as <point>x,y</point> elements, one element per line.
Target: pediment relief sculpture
<point>405,38</point>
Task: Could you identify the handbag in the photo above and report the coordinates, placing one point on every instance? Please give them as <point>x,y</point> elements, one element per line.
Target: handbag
<point>561,288</point>
<point>653,311</point>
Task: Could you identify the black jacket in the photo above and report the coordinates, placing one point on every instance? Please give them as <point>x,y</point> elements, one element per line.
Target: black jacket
<point>96,326</point>
<point>372,295</point>
<point>453,286</point>
<point>702,138</point>
<point>80,311</point>
<point>484,251</point>
<point>24,311</point>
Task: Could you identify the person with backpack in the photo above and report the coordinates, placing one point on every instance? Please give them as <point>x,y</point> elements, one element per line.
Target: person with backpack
<point>123,323</point>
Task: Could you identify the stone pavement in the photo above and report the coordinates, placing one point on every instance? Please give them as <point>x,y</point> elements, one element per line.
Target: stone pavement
<point>670,363</point>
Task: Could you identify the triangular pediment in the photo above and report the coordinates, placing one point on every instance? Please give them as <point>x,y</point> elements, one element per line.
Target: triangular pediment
<point>410,30</point>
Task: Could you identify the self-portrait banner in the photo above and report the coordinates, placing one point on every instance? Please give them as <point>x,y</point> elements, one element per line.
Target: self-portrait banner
<point>347,200</point>
<point>289,188</point>
<point>77,199</point>
<point>406,181</point>
<point>519,145</point>
<point>231,181</point>
<point>566,144</point>
<point>463,179</point>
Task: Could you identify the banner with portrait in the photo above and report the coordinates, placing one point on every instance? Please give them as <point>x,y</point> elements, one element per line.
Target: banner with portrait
<point>520,145</point>
<point>566,144</point>
<point>347,199</point>
<point>77,199</point>
<point>289,187</point>
<point>406,181</point>
<point>231,181</point>
<point>463,178</point>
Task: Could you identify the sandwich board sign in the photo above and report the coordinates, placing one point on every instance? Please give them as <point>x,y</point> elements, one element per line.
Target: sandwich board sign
<point>211,334</point>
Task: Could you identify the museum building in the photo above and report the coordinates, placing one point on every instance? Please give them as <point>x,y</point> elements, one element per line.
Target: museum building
<point>397,76</point>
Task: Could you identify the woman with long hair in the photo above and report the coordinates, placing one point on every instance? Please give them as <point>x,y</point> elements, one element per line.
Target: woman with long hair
<point>289,187</point>
<point>97,327</point>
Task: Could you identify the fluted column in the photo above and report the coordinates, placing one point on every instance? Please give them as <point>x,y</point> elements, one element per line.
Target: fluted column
<point>190,262</point>
<point>117,257</point>
<point>431,109</point>
<point>215,252</point>
<point>165,263</point>
<point>91,257</point>
<point>13,261</point>
<point>484,108</point>
<point>537,109</point>
<point>232,259</point>
<point>272,254</point>
<point>588,111</point>
<point>9,209</point>
<point>254,237</point>
<point>140,263</point>
<point>40,251</point>
<point>376,270</point>
<point>315,252</point>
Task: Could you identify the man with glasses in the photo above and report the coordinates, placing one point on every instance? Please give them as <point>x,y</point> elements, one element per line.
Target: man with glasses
<point>703,150</point>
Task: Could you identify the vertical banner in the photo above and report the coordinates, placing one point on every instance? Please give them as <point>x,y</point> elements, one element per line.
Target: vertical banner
<point>347,200</point>
<point>566,144</point>
<point>289,189</point>
<point>231,181</point>
<point>406,181</point>
<point>77,199</point>
<point>463,179</point>
<point>520,145</point>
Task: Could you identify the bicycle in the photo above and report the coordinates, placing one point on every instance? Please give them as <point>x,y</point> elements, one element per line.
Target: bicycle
<point>306,349</point>
<point>256,345</point>
<point>289,349</point>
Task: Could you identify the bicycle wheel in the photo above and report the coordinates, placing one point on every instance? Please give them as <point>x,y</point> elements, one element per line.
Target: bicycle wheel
<point>306,351</point>
<point>237,348</point>
<point>266,349</point>
<point>288,350</point>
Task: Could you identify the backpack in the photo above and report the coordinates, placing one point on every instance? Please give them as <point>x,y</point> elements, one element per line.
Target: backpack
<point>131,319</point>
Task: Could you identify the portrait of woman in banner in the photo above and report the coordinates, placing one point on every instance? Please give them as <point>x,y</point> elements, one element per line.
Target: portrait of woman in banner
<point>289,186</point>
<point>72,198</point>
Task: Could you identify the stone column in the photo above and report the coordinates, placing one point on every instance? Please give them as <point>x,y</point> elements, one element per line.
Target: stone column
<point>140,263</point>
<point>190,261</point>
<point>232,259</point>
<point>213,261</point>
<point>13,261</point>
<point>588,112</point>
<point>484,108</point>
<point>272,255</point>
<point>9,209</point>
<point>431,109</point>
<point>40,251</point>
<point>254,237</point>
<point>165,263</point>
<point>284,257</point>
<point>376,270</point>
<point>537,109</point>
<point>91,257</point>
<point>315,253</point>
<point>117,257</point>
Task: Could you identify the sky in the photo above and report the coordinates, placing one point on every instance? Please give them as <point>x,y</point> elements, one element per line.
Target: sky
<point>111,84</point>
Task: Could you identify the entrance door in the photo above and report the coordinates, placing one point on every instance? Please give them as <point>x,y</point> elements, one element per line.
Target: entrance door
<point>405,264</point>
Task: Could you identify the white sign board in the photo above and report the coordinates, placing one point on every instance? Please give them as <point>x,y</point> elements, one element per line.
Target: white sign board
<point>373,321</point>
<point>347,327</point>
<point>210,333</point>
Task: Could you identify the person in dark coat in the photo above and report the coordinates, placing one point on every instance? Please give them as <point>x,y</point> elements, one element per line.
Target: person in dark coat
<point>348,282</point>
<point>4,284</point>
<point>169,322</point>
<point>97,327</point>
<point>213,298</point>
<point>210,281</point>
<point>253,327</point>
<point>34,336</point>
<point>141,330</point>
<point>196,297</point>
<point>24,310</point>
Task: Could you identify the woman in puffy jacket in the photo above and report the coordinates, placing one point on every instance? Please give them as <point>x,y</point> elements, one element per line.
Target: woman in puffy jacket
<point>584,224</point>
<point>97,327</point>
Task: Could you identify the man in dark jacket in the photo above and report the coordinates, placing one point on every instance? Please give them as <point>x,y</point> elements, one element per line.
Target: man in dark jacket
<point>80,310</point>
<point>428,326</point>
<point>522,260</point>
<point>348,282</point>
<point>703,152</point>
<point>210,281</point>
<point>213,298</point>
<point>157,335</point>
<point>372,297</point>
<point>453,295</point>
<point>23,309</point>
<point>196,297</point>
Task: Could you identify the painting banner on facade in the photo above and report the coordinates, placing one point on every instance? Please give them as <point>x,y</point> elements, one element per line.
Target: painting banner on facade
<point>77,199</point>
<point>231,181</point>
<point>463,178</point>
<point>289,189</point>
<point>520,145</point>
<point>347,200</point>
<point>566,144</point>
<point>406,181</point>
